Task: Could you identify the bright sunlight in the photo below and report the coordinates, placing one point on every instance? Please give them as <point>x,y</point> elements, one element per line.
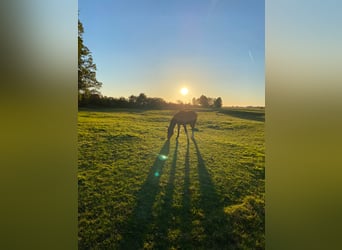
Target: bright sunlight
<point>184,91</point>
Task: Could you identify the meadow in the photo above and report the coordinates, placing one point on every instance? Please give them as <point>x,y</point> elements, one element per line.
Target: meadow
<point>139,191</point>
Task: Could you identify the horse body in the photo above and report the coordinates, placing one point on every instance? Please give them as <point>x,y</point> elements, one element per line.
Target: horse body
<point>182,118</point>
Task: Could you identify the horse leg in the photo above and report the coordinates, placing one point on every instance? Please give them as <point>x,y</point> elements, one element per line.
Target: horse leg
<point>186,131</point>
<point>178,127</point>
<point>192,128</point>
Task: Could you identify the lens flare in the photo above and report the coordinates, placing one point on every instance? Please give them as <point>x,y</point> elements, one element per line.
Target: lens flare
<point>156,174</point>
<point>162,157</point>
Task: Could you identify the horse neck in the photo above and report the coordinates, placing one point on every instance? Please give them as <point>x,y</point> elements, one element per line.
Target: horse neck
<point>172,124</point>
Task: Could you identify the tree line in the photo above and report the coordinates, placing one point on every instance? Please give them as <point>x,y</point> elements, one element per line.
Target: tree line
<point>145,102</point>
<point>89,86</point>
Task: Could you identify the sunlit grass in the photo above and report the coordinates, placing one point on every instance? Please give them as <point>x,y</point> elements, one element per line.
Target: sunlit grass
<point>136,190</point>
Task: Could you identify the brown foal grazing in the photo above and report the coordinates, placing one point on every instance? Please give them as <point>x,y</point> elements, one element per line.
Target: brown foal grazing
<point>182,118</point>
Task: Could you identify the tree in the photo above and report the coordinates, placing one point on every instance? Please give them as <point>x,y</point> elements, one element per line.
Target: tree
<point>122,102</point>
<point>203,101</point>
<point>218,102</point>
<point>142,100</point>
<point>132,100</point>
<point>87,83</point>
<point>211,101</point>
<point>195,101</point>
<point>155,102</point>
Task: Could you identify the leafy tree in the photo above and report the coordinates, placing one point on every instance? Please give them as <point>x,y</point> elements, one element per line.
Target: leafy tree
<point>211,101</point>
<point>87,83</point>
<point>195,101</point>
<point>203,101</point>
<point>122,102</point>
<point>142,100</point>
<point>218,102</point>
<point>155,102</point>
<point>132,99</point>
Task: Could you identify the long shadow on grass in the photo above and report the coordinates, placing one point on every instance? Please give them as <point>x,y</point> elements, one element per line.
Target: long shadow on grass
<point>214,221</point>
<point>245,114</point>
<point>138,224</point>
<point>163,220</point>
<point>186,225</point>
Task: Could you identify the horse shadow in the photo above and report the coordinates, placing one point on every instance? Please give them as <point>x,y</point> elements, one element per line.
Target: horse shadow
<point>138,224</point>
<point>215,221</point>
<point>146,222</point>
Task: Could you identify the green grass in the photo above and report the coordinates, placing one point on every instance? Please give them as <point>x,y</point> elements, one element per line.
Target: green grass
<point>139,191</point>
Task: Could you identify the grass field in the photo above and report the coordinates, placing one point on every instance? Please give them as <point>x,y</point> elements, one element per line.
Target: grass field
<point>139,191</point>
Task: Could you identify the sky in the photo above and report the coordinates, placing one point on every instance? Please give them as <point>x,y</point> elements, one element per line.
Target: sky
<point>214,48</point>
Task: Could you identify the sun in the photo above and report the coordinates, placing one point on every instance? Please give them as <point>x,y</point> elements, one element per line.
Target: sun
<point>184,91</point>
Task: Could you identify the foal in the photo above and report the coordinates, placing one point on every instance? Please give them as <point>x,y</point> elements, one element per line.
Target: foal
<point>182,118</point>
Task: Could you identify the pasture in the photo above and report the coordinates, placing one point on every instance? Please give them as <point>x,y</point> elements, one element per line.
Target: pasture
<point>139,191</point>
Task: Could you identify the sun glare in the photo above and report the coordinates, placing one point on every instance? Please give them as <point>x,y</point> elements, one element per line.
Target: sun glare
<point>184,91</point>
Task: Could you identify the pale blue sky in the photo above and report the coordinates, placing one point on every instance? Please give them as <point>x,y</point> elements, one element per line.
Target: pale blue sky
<point>213,47</point>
